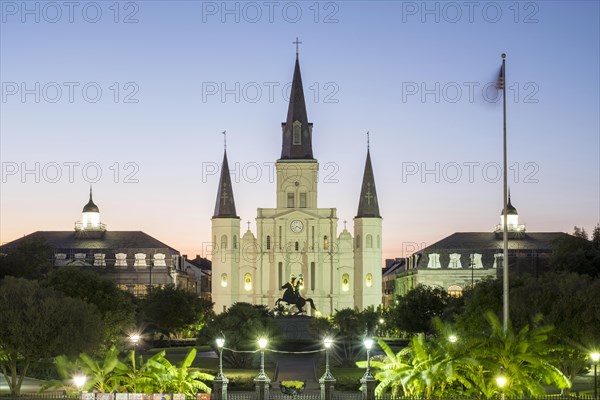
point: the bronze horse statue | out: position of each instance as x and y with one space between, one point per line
291 296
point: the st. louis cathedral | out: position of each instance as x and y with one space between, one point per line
297 237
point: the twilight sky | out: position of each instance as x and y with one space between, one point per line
139 92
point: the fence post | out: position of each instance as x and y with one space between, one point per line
219 388
327 386
262 388
368 387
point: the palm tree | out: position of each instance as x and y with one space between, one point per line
524 356
184 380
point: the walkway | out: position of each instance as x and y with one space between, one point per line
301 367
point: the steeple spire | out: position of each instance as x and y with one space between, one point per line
225 204
368 206
297 131
90 206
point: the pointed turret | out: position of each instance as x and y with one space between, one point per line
90 206
297 131
368 206
225 204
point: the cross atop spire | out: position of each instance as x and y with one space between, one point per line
248 225
224 133
297 42
368 141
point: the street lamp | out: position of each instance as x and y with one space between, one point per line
595 356
79 381
327 342
134 338
501 382
220 344
368 342
262 343
452 338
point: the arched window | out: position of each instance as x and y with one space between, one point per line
325 243
358 241
247 282
280 272
224 242
369 280
268 242
224 280
369 241
297 246
378 242
455 291
235 242
345 282
313 271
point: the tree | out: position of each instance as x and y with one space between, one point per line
525 356
115 305
38 322
29 259
575 253
242 324
415 310
175 312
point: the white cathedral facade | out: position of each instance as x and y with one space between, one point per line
297 237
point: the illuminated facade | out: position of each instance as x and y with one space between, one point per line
297 237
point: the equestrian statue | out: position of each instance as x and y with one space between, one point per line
292 296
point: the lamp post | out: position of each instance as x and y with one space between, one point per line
368 381
220 382
595 356
501 382
452 338
79 381
327 381
261 382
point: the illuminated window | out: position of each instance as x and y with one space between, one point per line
369 241
455 291
454 261
224 280
140 260
358 241
248 281
297 137
290 200
224 242
120 260
345 282
325 243
268 242
369 280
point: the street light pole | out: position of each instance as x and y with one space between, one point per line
262 380
327 381
368 381
595 358
220 382
501 382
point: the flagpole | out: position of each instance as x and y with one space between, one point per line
505 256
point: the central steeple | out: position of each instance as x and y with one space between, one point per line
296 130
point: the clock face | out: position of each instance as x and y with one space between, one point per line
296 226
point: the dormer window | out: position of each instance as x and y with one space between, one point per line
297 133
